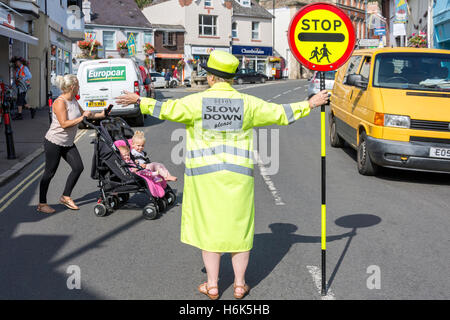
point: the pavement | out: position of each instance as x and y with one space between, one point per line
28 135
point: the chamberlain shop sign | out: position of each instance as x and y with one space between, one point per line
251 51
107 74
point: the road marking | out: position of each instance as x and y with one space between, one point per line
278 95
317 278
298 88
286 92
20 184
36 173
267 180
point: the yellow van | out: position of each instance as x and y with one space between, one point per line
393 106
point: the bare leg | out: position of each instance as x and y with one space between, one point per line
212 264
240 263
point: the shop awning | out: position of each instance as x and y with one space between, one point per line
169 55
10 33
274 59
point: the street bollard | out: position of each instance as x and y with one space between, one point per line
50 105
8 129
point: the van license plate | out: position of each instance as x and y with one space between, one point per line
440 153
92 104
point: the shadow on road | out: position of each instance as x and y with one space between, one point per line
354 222
28 268
268 251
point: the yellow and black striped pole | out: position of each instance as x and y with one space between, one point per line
324 206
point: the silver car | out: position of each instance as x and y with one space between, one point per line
314 82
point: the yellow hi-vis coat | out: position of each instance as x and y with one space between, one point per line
218 197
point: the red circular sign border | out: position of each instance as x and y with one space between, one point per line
342 15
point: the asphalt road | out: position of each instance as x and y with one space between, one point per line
387 236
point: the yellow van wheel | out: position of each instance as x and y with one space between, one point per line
365 165
335 140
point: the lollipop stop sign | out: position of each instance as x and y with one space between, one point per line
322 38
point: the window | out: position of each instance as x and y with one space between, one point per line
234 32
208 3
245 3
255 30
136 39
353 65
148 37
108 40
365 69
207 25
169 39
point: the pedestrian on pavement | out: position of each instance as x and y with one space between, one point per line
167 77
218 196
59 141
175 73
22 79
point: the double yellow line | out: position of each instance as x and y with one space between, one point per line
5 201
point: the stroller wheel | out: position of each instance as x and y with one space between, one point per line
150 211
100 210
170 198
162 204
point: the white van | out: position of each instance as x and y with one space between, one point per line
102 81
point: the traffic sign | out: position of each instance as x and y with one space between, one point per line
321 37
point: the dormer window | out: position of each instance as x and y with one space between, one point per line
245 3
208 3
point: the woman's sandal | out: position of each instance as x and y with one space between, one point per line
204 285
45 208
246 289
69 203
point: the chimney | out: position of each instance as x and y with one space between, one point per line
87 11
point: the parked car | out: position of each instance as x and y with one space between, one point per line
158 80
102 81
246 75
314 82
391 105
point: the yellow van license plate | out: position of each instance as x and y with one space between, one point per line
440 153
96 104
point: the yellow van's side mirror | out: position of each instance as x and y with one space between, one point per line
357 80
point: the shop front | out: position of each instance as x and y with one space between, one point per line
167 61
254 58
60 57
14 41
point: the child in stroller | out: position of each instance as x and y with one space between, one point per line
137 150
116 180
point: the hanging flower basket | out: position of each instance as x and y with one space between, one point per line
122 45
89 48
148 48
417 41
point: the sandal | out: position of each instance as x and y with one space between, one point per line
69 203
246 289
204 285
45 208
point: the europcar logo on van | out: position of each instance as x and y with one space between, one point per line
106 74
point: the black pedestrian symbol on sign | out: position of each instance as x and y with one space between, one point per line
314 54
324 52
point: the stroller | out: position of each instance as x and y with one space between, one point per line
115 180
